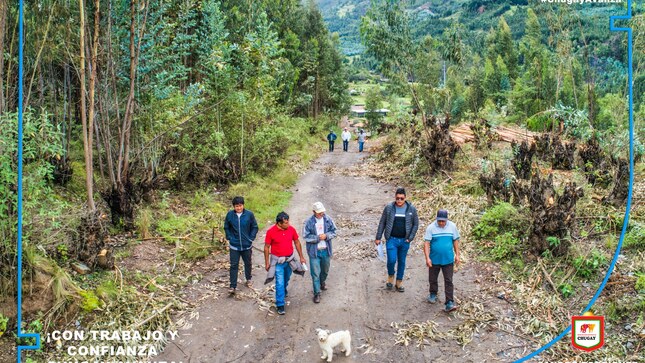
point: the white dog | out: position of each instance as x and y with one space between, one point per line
329 340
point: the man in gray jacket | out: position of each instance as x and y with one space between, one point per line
400 223
319 230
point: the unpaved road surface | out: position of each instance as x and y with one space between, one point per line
222 328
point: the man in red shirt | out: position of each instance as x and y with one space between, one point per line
278 244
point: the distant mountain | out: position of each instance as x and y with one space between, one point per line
478 16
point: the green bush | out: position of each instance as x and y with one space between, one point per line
505 245
501 218
566 290
589 266
90 301
3 324
635 237
640 287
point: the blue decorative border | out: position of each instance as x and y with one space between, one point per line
19 239
532 355
631 178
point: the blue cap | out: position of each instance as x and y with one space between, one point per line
442 215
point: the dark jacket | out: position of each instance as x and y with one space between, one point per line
311 237
331 136
240 232
387 221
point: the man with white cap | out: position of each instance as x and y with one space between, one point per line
346 136
318 232
441 251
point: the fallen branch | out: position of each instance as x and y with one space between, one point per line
157 312
547 276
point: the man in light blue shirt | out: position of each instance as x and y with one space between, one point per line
442 252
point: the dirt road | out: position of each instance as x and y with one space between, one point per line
234 329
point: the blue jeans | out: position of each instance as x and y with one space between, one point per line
360 146
397 251
282 276
345 145
319 269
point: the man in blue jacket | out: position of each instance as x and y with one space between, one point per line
331 137
318 232
241 228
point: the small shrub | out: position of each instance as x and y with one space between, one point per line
499 219
635 238
505 246
144 222
3 324
566 290
90 301
640 287
107 291
554 242
588 266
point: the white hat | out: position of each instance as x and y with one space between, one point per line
319 207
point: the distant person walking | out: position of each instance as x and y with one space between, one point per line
319 230
399 222
241 228
346 136
441 250
362 136
331 137
279 244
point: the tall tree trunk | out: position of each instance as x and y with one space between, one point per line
3 21
40 51
87 131
124 142
93 70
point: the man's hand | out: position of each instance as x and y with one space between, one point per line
322 237
457 259
377 242
267 267
302 260
428 263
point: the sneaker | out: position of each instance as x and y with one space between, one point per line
280 310
432 298
231 290
450 306
323 286
317 298
249 284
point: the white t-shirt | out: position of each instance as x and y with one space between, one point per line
320 229
346 135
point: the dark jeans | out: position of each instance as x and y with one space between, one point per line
397 252
360 146
433 276
345 145
235 264
331 146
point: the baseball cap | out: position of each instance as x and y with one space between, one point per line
442 215
319 207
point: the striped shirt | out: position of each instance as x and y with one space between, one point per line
441 242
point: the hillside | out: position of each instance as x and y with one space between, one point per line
432 17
